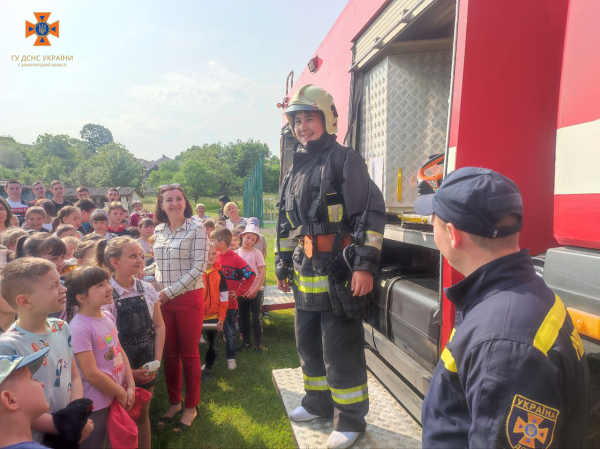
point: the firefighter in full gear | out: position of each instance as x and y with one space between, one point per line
329 237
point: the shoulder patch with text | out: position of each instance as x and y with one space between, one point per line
530 425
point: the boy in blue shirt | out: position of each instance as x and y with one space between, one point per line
32 287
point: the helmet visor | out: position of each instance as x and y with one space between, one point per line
301 107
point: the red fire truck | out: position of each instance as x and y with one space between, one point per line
510 85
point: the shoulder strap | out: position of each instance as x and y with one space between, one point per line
316 185
140 286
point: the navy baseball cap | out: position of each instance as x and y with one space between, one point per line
474 200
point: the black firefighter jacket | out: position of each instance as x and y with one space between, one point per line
327 187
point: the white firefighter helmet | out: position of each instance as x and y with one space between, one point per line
313 98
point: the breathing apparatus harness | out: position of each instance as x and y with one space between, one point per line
340 264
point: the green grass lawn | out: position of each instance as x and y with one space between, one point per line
238 408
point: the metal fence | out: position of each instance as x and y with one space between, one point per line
269 210
253 193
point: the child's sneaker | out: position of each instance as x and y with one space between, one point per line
231 364
258 349
202 340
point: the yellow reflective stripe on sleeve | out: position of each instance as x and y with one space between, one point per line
315 383
335 213
548 331
311 284
285 244
374 239
449 361
350 395
305 289
311 279
447 358
284 249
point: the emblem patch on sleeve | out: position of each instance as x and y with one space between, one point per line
530 425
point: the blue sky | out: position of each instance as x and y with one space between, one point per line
162 76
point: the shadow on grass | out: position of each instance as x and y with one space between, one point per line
239 408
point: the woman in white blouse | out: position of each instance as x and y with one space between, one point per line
180 251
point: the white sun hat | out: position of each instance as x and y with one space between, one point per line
251 227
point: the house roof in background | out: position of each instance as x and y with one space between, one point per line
149 165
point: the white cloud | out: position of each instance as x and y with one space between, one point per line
184 109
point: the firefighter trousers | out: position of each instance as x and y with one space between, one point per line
332 355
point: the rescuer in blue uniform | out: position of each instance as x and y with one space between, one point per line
513 373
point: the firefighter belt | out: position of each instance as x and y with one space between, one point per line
322 243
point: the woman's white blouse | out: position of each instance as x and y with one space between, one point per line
180 257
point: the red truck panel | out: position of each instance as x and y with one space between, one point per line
505 103
577 188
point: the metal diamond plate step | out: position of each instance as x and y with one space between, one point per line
276 299
404 119
388 424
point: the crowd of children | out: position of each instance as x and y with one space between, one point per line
82 333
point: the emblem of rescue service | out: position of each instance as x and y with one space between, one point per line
530 425
42 29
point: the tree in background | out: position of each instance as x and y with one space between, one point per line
165 174
11 154
112 165
97 161
271 174
96 136
213 169
216 160
197 178
244 155
51 157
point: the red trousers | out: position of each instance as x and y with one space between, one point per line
183 318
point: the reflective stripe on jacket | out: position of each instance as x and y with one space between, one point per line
315 190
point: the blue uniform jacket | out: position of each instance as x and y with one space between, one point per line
513 373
